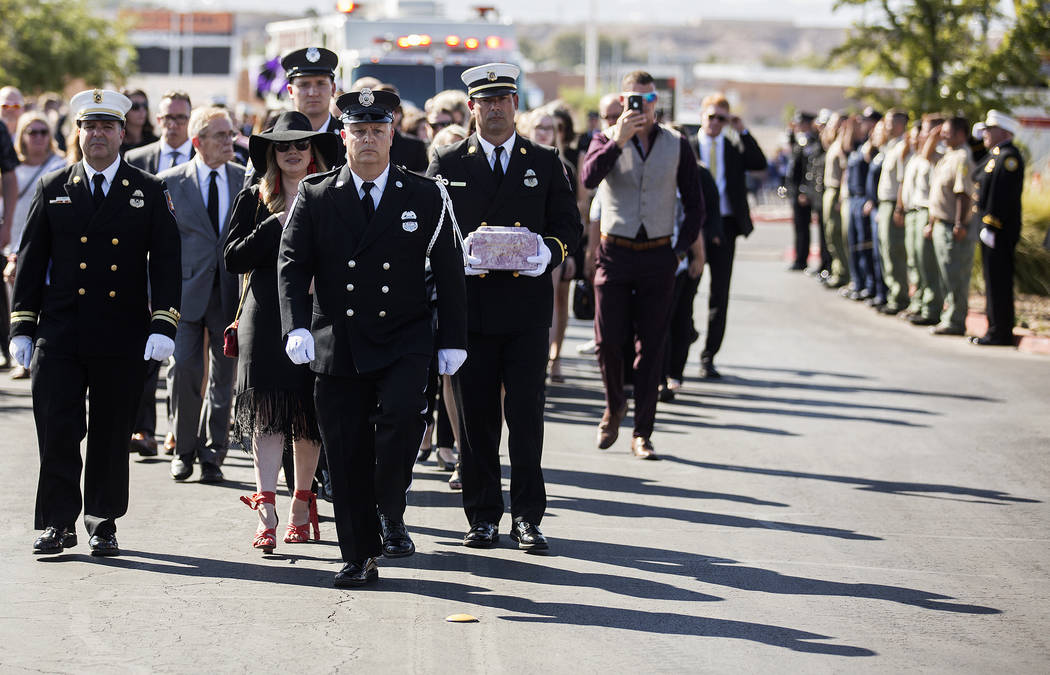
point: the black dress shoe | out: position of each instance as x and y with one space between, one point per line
528 536
211 473
989 341
920 320
357 573
482 535
665 395
181 469
396 542
143 444
104 545
708 371
54 539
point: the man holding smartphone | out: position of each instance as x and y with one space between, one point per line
638 166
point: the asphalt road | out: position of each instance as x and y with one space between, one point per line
855 495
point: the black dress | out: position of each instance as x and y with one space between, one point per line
273 395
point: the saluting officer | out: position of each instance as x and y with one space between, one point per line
363 234
498 178
999 204
100 247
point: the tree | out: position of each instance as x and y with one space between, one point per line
567 49
47 43
951 55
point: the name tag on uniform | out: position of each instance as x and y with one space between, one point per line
61 200
458 183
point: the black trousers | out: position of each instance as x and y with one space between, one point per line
825 254
515 364
998 267
681 333
371 425
61 385
803 215
146 414
720 262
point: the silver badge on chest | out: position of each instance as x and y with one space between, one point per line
408 221
530 178
136 199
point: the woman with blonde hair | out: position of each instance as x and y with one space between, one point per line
274 397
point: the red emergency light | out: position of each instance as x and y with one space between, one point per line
413 41
452 40
493 42
345 6
471 43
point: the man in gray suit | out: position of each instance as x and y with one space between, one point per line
203 190
174 147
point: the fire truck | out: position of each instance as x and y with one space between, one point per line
405 44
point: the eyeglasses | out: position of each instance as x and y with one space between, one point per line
175 119
439 125
285 147
231 135
38 132
7 106
135 105
718 118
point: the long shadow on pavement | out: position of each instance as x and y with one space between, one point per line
844 389
869 484
641 486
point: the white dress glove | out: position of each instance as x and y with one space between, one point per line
471 269
988 237
300 346
158 347
449 360
21 349
541 259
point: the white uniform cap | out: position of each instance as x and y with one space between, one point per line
1003 121
491 79
99 104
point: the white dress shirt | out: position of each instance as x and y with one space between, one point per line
109 173
165 154
716 145
204 182
490 151
377 191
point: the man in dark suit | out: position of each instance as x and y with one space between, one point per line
405 151
174 146
203 190
999 205
100 244
729 153
172 149
498 178
311 85
363 234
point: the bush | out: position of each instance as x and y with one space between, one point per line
1032 261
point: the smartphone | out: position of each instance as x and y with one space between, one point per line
634 102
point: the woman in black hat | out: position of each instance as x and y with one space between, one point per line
274 397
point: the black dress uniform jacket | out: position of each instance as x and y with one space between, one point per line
1001 184
370 299
408 152
81 286
535 194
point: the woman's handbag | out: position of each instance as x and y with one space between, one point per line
229 336
583 300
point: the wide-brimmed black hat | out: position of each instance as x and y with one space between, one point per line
293 126
310 61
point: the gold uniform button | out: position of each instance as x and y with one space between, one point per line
81 291
349 312
382 313
351 263
516 224
385 289
115 241
83 265
112 294
483 223
481 276
113 268
516 274
349 287
386 266
83 240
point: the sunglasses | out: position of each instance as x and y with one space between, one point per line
718 118
285 147
439 125
135 105
8 106
38 132
647 97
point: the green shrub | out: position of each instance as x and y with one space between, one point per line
1032 261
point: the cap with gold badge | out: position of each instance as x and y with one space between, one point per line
99 104
491 79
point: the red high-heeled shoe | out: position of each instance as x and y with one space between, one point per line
265 538
300 534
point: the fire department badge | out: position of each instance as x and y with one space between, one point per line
312 55
366 97
98 96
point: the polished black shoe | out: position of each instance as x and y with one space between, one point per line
528 536
708 371
482 535
357 574
396 542
144 444
665 394
54 539
989 341
211 473
181 469
920 320
104 545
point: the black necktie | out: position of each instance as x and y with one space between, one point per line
497 166
97 192
366 200
174 158
213 202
